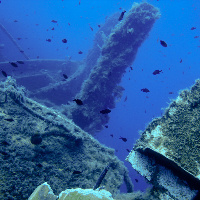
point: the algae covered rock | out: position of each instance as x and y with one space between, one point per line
167 153
39 144
102 89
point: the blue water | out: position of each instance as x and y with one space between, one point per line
74 22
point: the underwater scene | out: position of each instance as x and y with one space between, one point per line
99 99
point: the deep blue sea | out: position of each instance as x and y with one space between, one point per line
30 23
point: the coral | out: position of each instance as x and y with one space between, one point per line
87 194
43 192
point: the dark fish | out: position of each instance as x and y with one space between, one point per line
65 76
128 150
80 52
99 25
136 180
101 177
124 139
20 62
193 28
52 29
196 36
91 28
131 68
39 165
105 111
54 21
64 40
76 172
19 38
4 153
171 93
13 64
78 102
4 73
156 72
36 139
163 43
5 143
111 135
125 99
48 40
122 15
15 21
181 60
145 90
106 126
9 119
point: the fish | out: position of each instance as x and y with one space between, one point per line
105 111
15 20
193 28
171 93
48 40
181 60
9 119
156 72
64 40
80 52
121 16
145 90
136 180
128 150
76 172
52 29
123 139
5 143
196 36
4 73
65 76
78 102
39 165
91 28
163 43
106 126
111 135
13 64
19 38
131 68
54 21
99 25
20 62
125 99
